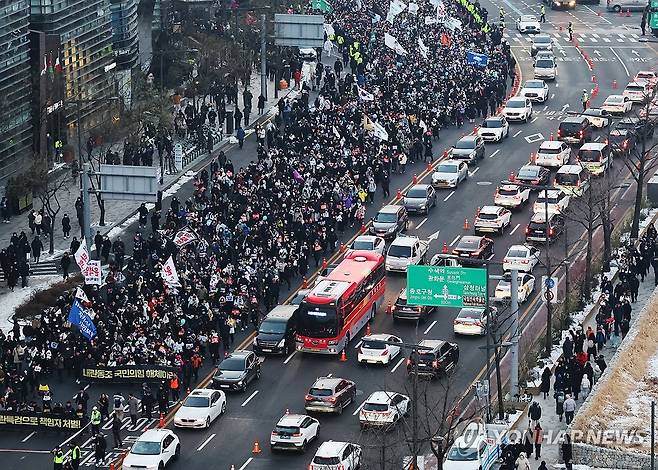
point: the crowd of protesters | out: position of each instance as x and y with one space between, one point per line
261 226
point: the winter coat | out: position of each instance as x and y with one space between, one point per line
133 406
545 386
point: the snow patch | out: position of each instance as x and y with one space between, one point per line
12 300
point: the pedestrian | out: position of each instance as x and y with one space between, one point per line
75 454
174 386
66 226
569 409
163 399
585 386
522 463
4 209
100 446
95 420
261 104
643 22
65 264
104 406
117 405
538 439
534 413
567 453
147 401
37 248
584 99
240 134
542 465
570 30
58 458
116 431
133 407
542 12
545 386
559 403
528 438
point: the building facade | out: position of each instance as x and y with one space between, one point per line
125 34
15 88
85 57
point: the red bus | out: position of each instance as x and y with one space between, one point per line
336 309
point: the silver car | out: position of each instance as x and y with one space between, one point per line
420 198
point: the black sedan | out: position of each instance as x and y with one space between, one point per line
533 175
236 371
474 247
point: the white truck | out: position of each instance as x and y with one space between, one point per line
404 251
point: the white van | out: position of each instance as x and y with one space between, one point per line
553 153
572 180
595 156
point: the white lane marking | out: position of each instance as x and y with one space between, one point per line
29 436
358 345
289 357
244 465
493 155
517 134
329 375
552 95
430 327
205 443
605 39
397 365
448 196
546 107
244 403
471 173
534 119
356 412
597 138
455 240
421 223
621 61
514 229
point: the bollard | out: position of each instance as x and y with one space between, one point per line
414 179
444 250
324 263
593 78
304 283
342 247
363 228
398 194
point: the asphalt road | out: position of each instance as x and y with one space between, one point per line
284 381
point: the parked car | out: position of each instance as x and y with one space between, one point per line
376 349
154 449
525 287
511 196
474 247
383 409
617 105
333 455
472 321
201 407
535 90
518 109
523 258
597 117
492 219
533 175
369 243
528 24
553 153
404 251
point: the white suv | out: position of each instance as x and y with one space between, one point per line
294 432
153 450
383 409
553 153
334 454
518 109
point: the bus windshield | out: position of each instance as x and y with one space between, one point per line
318 321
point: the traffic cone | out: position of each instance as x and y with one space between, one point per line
429 166
414 179
628 13
466 225
111 465
445 154
475 129
614 84
304 283
363 228
161 423
598 13
232 467
324 263
444 250
389 310
593 78
123 455
511 176
343 356
368 329
256 449
287 411
342 247
398 194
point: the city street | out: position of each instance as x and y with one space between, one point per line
617 54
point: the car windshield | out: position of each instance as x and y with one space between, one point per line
544 64
272 327
373 344
527 19
196 402
320 392
516 104
386 217
517 253
537 226
299 297
566 179
459 454
589 156
326 460
465 144
446 169
570 127
362 245
532 84
470 313
549 151
469 244
375 407
493 123
232 364
287 430
399 251
487 216
593 112
145 448
627 124
525 173
508 192
418 193
614 99
637 88
317 321
542 39
542 199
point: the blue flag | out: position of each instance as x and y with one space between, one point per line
79 317
473 58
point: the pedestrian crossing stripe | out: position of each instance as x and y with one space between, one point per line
580 37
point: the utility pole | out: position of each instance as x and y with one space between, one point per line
263 57
549 306
488 335
86 205
653 434
414 413
514 297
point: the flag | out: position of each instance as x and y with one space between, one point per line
82 255
376 18
440 8
51 71
80 294
79 316
93 273
322 5
185 236
452 24
422 125
336 133
379 131
364 95
169 274
422 48
58 66
413 8
395 8
329 29
45 66
367 123
430 20
393 43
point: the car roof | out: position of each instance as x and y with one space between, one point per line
642 83
593 146
202 392
517 98
510 187
464 311
574 119
550 144
518 247
541 36
551 193
432 343
540 217
390 209
291 420
366 238
381 397
528 18
376 337
470 238
405 240
419 186
281 312
617 97
451 162
326 382
570 169
531 167
468 138
240 354
330 449
490 209
534 80
154 435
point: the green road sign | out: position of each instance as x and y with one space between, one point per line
446 286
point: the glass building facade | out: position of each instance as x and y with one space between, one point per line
125 33
15 88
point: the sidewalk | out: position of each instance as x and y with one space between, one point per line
552 427
118 213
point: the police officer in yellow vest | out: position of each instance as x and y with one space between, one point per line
585 99
340 40
58 459
75 455
95 421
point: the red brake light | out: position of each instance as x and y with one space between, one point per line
551 232
384 353
331 399
436 364
578 184
409 361
527 229
297 434
308 397
274 433
559 132
581 133
625 143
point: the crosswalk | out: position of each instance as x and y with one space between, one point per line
515 38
